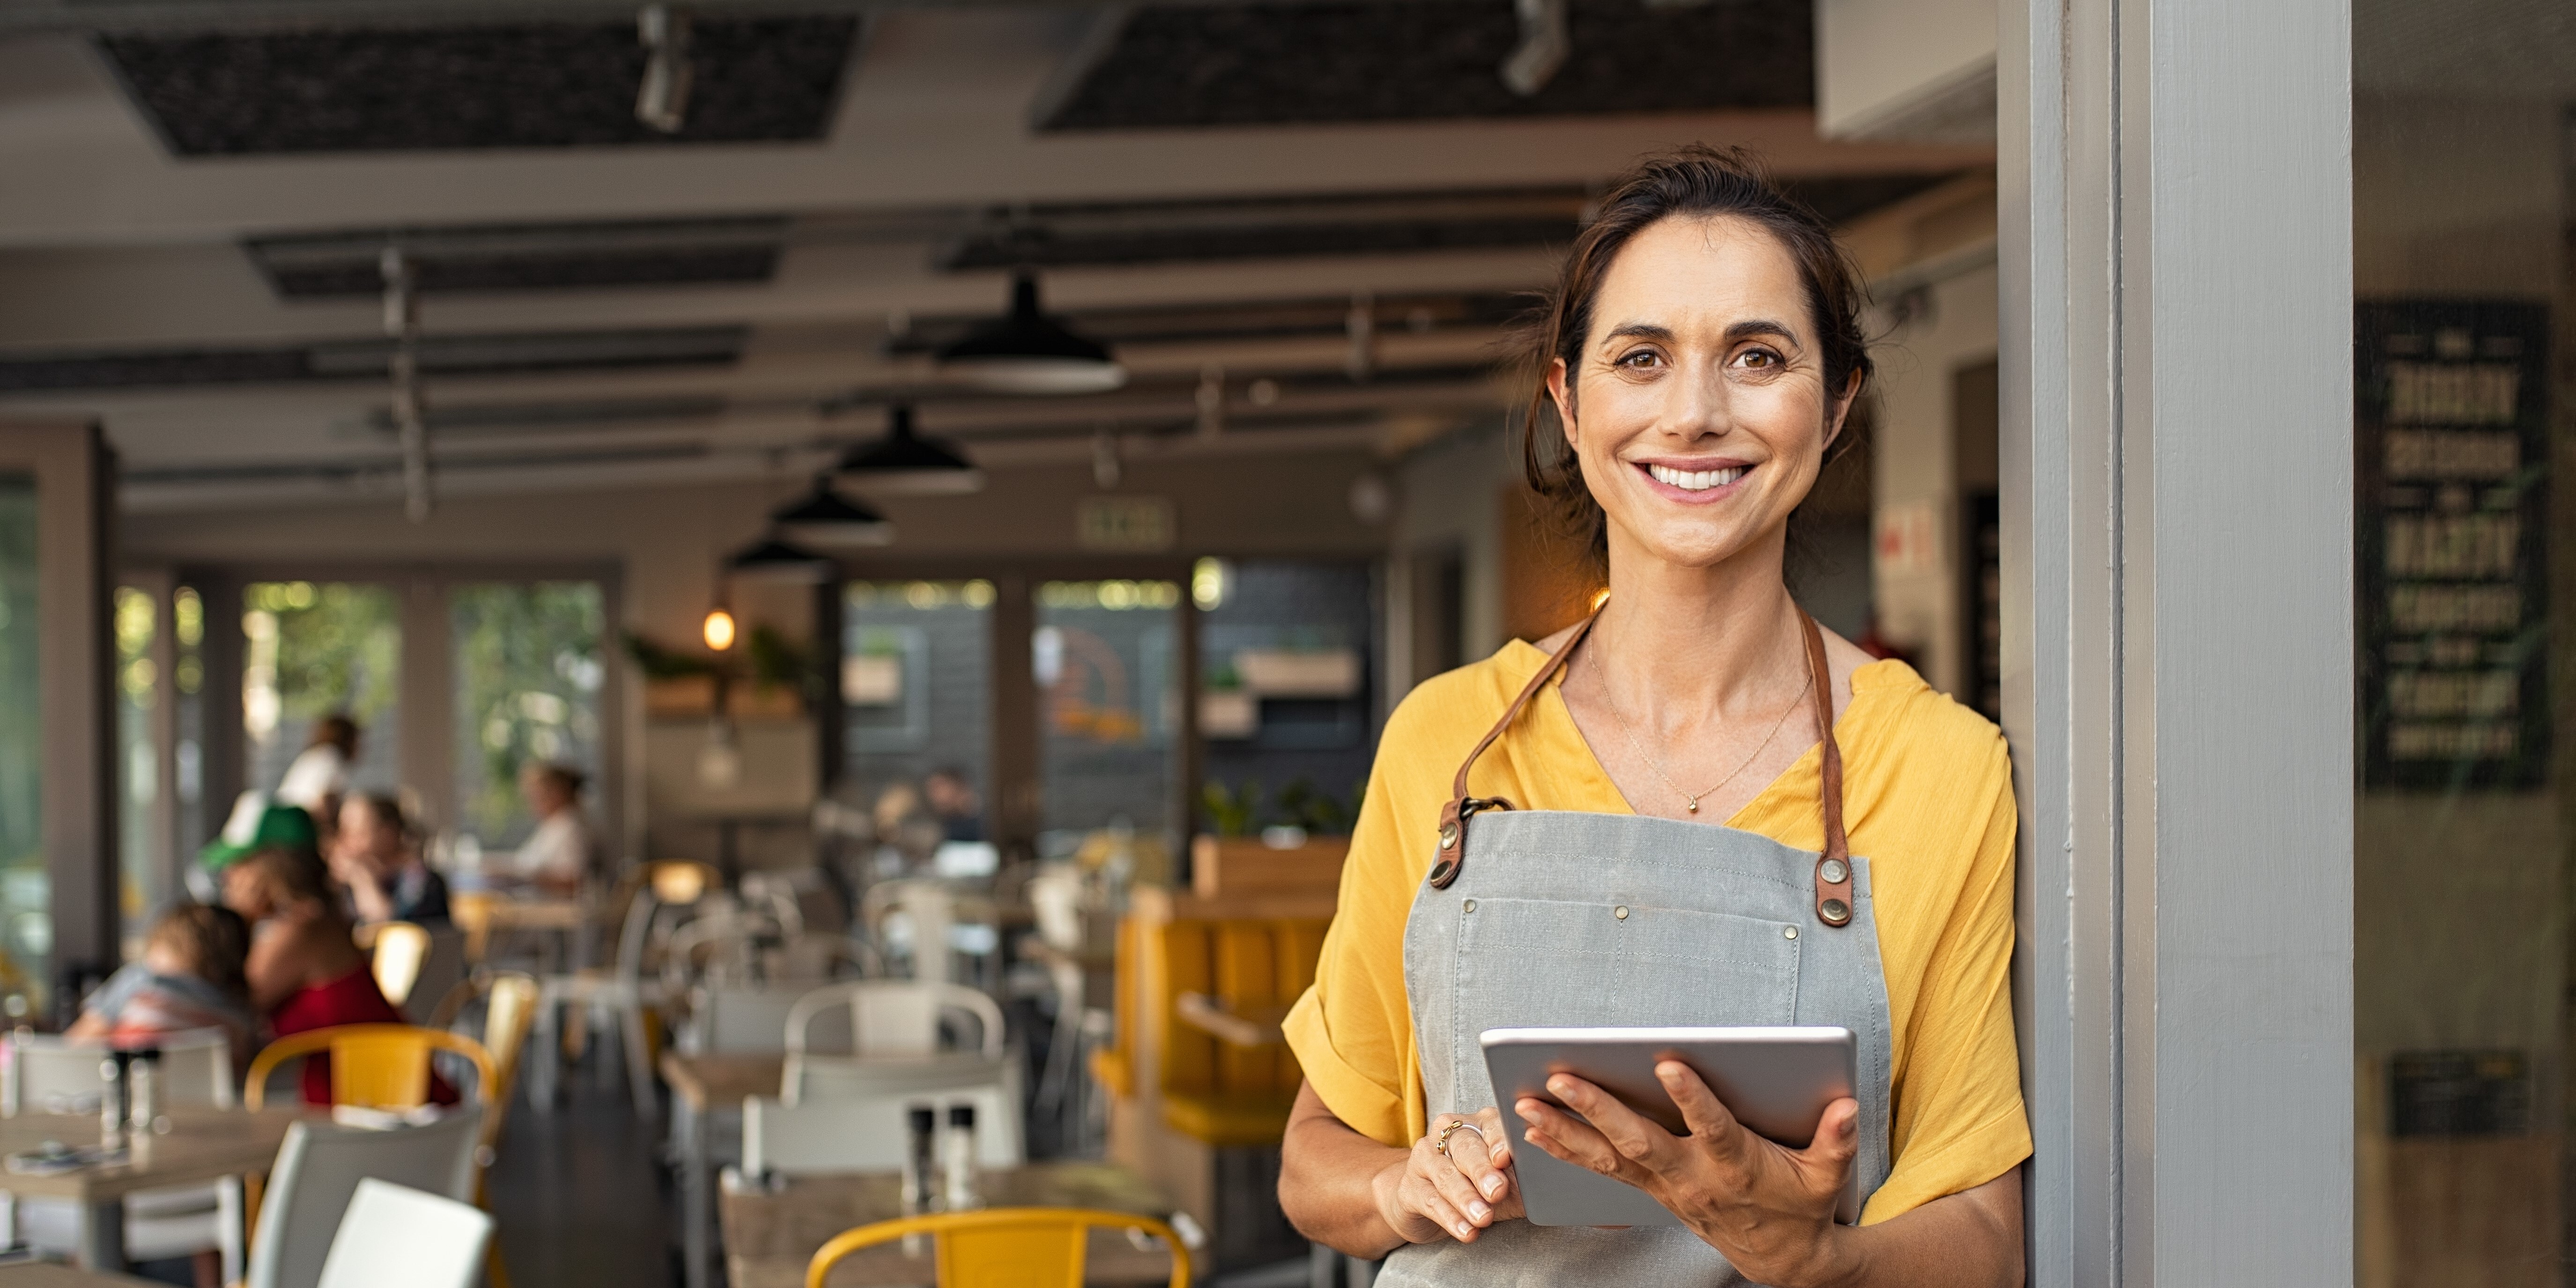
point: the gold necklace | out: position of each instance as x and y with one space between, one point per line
1690 799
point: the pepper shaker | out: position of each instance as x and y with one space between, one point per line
958 1159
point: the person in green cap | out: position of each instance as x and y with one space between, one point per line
257 823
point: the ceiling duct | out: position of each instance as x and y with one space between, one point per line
525 257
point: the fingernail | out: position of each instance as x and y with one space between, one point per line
1466 1231
1493 1187
1478 1210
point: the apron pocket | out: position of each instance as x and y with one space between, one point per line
1535 963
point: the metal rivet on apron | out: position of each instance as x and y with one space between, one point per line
1621 912
1788 932
1448 835
1835 871
1834 911
1471 905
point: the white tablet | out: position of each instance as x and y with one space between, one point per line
1776 1081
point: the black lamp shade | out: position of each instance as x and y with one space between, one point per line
903 461
1027 352
826 518
770 559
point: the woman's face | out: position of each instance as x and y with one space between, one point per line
364 837
247 891
1699 409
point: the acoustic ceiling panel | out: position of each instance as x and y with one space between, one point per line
1278 64
760 80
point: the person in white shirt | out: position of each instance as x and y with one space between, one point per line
561 853
319 774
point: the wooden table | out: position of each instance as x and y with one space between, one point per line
704 1087
770 1235
203 1145
38 1274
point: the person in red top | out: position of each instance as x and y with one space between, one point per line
305 971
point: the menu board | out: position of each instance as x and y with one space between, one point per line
2452 536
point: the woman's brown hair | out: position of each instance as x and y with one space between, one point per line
1694 182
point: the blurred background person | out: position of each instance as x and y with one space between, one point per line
304 969
375 856
952 800
320 772
191 977
562 852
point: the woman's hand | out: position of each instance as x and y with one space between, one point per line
1769 1208
1431 1195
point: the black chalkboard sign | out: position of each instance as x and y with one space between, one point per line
2459 1093
2451 539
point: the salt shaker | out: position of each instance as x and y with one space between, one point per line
958 1159
145 1107
112 1099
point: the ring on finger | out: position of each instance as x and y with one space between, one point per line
1442 1145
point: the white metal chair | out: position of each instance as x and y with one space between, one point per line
866 1132
396 1237
930 918
735 1019
55 1075
661 895
318 1172
894 1017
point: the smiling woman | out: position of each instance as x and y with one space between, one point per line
1693 808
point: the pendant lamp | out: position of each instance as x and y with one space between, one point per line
903 461
770 559
1027 352
828 519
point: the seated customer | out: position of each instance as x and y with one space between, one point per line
304 970
375 857
560 854
190 978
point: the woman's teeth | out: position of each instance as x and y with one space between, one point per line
1696 480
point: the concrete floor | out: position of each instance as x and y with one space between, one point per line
581 1196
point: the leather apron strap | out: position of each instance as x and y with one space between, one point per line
1833 867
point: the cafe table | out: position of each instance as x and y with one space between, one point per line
772 1231
703 1089
202 1145
41 1274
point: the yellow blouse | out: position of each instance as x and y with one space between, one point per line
1927 793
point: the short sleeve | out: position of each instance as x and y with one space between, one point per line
1959 1117
1352 1031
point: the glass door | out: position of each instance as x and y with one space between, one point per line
1106 656
528 672
315 654
916 702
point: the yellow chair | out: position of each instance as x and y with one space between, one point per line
1031 1247
400 949
379 1066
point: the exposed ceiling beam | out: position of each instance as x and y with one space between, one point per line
180 16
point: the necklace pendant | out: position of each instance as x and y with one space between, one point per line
1694 804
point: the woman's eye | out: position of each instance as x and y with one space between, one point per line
1758 359
1641 358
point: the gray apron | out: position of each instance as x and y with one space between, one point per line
1722 927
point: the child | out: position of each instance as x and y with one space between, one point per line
190 978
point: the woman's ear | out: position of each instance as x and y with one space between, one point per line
1562 394
1841 409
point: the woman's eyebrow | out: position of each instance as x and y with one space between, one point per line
1740 331
1751 327
1639 331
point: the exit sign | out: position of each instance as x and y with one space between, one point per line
1129 523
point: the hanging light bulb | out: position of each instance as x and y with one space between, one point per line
719 629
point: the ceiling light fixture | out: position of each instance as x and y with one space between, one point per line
662 100
1027 352
902 461
827 518
770 559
